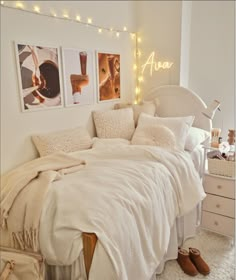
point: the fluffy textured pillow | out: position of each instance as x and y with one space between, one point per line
195 137
179 126
114 123
69 140
148 108
154 135
114 142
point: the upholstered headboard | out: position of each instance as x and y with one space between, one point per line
177 101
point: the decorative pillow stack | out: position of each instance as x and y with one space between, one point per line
148 108
159 130
114 123
69 140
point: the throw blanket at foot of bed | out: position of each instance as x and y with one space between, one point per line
129 197
22 193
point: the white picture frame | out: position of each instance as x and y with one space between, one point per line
79 82
39 76
108 76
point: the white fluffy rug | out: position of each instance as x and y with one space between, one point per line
217 250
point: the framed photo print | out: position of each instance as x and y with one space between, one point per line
108 76
39 77
78 68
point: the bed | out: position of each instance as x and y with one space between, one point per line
128 228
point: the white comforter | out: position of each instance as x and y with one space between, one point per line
130 198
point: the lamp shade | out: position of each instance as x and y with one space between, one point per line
209 112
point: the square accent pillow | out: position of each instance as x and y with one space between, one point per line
148 108
154 135
179 126
195 137
114 123
69 140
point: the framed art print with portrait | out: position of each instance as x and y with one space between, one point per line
108 76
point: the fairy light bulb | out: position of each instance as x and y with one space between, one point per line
117 34
99 30
139 40
89 21
78 18
66 16
37 9
2 2
140 78
135 67
54 14
125 28
19 5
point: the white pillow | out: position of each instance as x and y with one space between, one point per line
114 123
69 140
114 142
148 108
154 135
179 126
195 137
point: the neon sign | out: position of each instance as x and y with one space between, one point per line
155 65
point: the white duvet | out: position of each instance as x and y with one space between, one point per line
129 197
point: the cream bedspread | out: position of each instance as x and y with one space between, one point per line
130 198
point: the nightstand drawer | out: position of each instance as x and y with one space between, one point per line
219 186
217 223
219 205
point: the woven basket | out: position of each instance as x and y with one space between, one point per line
221 167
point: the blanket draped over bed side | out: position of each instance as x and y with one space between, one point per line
22 193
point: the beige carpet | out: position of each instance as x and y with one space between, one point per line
217 250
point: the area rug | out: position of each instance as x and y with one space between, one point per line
217 250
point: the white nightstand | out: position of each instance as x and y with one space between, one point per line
218 208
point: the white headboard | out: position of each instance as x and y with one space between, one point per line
177 101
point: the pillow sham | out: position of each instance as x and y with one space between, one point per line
114 123
154 135
195 137
69 140
114 142
148 108
179 126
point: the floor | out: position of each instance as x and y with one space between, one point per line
217 250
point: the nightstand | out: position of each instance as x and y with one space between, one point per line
218 208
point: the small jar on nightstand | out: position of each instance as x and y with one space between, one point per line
218 208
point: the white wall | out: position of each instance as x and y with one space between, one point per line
211 57
19 26
159 26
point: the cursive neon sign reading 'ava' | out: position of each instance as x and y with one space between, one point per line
154 65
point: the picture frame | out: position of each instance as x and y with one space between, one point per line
108 76
79 82
39 76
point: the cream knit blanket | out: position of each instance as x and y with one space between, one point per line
22 193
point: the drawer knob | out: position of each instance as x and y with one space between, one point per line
217 205
219 187
216 223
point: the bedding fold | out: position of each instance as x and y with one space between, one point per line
129 197
22 194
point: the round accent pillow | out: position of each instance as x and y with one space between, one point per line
155 135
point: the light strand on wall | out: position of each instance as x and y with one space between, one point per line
65 16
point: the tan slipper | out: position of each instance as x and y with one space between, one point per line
185 262
197 260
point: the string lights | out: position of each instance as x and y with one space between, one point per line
89 22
